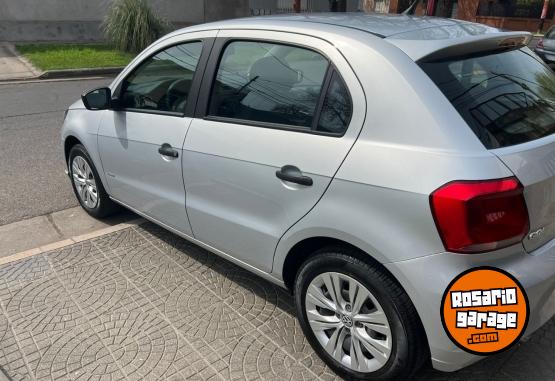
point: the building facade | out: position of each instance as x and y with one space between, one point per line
80 20
506 14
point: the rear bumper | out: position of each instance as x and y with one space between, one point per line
425 279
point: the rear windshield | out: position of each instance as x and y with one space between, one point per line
506 98
551 34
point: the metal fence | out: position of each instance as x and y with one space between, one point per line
268 7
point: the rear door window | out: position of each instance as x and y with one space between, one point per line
268 83
506 98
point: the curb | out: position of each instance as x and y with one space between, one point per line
32 69
68 242
69 73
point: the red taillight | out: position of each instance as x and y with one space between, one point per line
478 216
540 44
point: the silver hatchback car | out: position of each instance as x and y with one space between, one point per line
361 161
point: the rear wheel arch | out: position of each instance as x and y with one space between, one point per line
309 247
306 248
300 252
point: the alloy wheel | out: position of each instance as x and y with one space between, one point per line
84 181
348 322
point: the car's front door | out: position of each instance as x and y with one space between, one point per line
141 142
273 124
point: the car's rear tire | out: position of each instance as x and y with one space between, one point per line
393 348
87 185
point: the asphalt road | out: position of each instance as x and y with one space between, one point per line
32 179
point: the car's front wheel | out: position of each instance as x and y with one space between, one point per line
87 185
357 318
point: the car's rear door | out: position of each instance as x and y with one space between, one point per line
140 142
276 116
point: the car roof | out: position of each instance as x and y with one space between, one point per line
378 24
417 36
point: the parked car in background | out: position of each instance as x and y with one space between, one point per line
546 46
361 161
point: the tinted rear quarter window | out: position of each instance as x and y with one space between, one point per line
337 108
506 98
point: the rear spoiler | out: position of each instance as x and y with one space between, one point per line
434 50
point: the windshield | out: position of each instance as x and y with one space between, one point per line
506 98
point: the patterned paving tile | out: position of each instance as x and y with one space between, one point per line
146 346
19 273
286 332
144 304
78 255
252 297
42 306
11 359
77 354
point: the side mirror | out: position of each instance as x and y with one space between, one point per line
97 99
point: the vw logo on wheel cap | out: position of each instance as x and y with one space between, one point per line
347 321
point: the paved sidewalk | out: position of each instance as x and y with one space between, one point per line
49 231
12 66
144 304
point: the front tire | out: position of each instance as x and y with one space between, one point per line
357 318
87 185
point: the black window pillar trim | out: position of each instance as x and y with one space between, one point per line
208 44
209 76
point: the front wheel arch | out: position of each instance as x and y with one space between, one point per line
69 142
104 206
